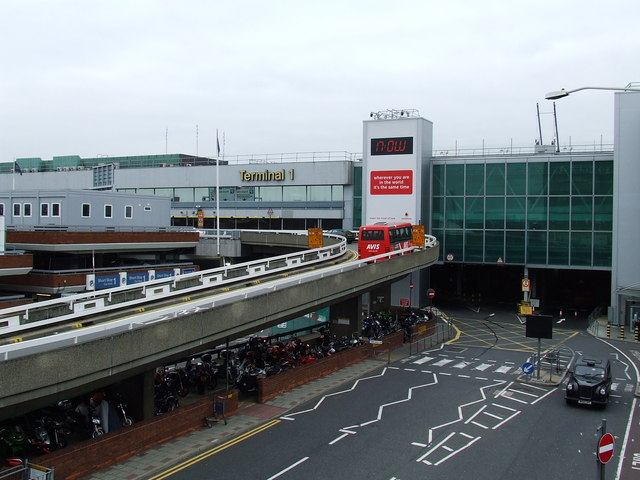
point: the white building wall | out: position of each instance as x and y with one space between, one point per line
625 275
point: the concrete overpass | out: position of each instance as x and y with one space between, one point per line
131 356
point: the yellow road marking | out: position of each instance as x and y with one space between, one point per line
213 451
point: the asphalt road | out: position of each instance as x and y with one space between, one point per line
456 411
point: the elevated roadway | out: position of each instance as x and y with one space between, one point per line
155 332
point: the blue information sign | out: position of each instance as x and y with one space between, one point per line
528 368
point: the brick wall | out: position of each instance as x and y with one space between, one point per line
269 387
83 458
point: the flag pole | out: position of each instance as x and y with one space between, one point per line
218 194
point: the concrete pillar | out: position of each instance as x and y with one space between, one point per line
345 317
147 394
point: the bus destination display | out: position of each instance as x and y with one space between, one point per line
392 146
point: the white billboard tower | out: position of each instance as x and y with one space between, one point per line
397 146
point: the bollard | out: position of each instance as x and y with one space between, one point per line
608 330
621 332
635 334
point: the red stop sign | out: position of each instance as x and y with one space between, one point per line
605 448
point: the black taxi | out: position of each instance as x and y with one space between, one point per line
589 381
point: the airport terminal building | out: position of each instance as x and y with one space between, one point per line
566 219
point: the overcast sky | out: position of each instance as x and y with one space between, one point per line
97 77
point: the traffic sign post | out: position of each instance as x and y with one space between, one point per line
431 294
528 368
605 447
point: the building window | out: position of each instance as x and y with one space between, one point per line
55 209
2 209
86 210
44 209
147 208
26 210
128 211
108 211
294 194
17 210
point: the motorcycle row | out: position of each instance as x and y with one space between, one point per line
241 367
51 428
380 324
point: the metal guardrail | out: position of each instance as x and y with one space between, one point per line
77 307
84 306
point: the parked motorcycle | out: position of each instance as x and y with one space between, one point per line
121 408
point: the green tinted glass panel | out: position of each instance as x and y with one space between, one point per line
514 247
495 179
438 180
357 182
582 178
537 178
559 213
493 246
559 248
494 213
474 212
537 213
455 179
581 248
559 178
475 180
453 241
437 215
603 178
602 249
603 213
537 247
357 211
516 210
581 213
516 179
454 212
473 246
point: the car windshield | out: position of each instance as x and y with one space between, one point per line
589 372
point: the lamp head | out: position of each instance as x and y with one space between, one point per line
556 95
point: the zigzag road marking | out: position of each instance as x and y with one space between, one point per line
350 430
290 416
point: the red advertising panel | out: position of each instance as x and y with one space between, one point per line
391 182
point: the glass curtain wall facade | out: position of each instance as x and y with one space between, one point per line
547 212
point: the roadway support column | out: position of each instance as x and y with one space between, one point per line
345 317
147 382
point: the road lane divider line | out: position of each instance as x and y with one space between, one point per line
290 467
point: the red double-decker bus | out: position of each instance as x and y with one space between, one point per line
383 238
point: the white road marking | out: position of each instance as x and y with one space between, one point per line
462 365
422 360
290 467
482 367
444 361
503 369
289 416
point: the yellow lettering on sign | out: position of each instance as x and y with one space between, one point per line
266 175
